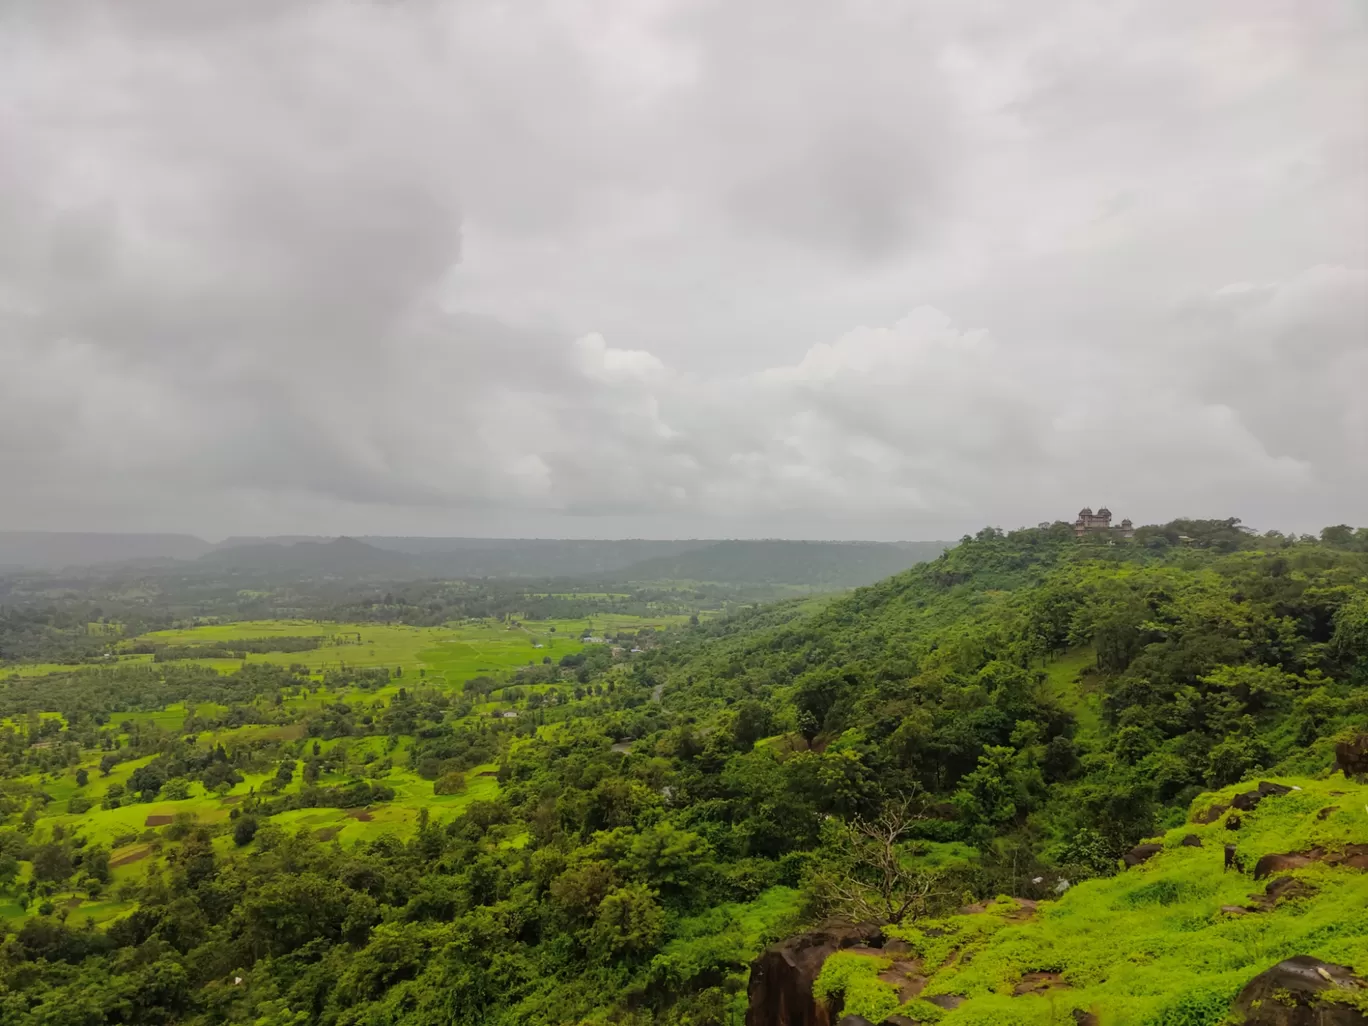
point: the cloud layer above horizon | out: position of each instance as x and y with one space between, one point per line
681 267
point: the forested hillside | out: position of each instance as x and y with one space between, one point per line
816 565
1018 712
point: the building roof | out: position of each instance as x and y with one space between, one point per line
1104 512
1086 511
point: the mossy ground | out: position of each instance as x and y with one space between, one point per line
1149 946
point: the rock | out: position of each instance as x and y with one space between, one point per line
947 1001
1039 983
1352 757
1192 841
1232 822
899 1020
1083 1017
1141 853
855 1020
781 978
1211 815
1327 812
1271 790
1289 995
1230 860
1352 856
1235 910
1270 864
1247 801
1286 888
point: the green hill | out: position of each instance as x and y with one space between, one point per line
1022 710
809 564
1171 941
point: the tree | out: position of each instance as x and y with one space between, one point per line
629 921
95 862
869 875
9 870
244 830
51 862
82 777
753 721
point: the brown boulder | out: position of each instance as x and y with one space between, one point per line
1289 994
781 978
1352 757
947 1001
1271 790
1246 801
1285 888
1141 853
1211 815
1039 982
855 1020
1232 822
1192 841
1352 856
1327 812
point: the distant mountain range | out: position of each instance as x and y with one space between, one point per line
804 563
53 550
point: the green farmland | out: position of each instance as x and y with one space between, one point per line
259 735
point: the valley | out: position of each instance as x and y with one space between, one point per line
1029 781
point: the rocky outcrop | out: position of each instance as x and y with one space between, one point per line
1192 841
1141 853
1351 856
1247 800
780 992
1211 815
1300 992
1352 757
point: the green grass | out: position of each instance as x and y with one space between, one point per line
1150 945
1066 681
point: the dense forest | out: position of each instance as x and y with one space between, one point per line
1022 710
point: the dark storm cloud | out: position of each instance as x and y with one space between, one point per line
679 267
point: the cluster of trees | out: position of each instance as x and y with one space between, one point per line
1026 705
239 648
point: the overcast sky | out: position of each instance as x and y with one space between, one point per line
681 267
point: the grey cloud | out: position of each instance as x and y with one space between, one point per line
603 268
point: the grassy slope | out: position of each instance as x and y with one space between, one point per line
1151 945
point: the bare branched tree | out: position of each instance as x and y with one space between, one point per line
871 879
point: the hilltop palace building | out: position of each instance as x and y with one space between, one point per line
1089 522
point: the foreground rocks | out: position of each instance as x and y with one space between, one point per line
1300 992
781 979
1352 856
1352 757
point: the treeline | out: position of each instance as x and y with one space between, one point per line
238 648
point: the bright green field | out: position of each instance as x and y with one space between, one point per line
454 653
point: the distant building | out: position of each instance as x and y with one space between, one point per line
1089 522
